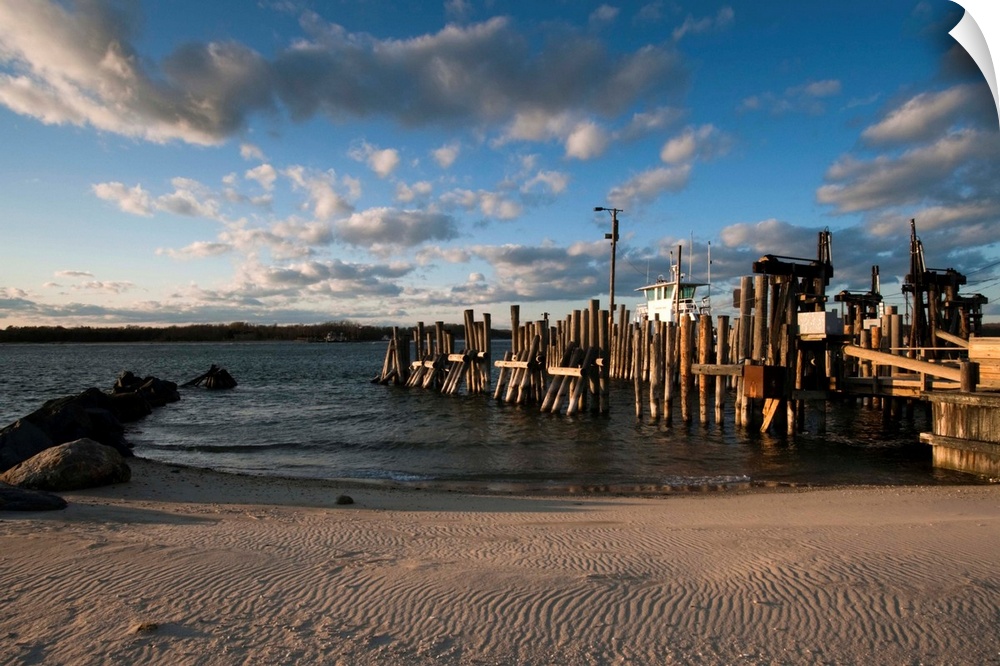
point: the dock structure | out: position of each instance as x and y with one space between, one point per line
782 358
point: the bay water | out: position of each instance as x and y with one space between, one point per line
311 411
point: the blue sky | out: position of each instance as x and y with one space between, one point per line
291 161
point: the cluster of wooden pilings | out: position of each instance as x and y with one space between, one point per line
694 366
780 354
439 367
558 364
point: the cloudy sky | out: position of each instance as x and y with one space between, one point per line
282 161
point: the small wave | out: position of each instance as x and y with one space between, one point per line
721 481
389 475
225 448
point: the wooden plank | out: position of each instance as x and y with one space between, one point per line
565 372
771 406
953 339
717 370
925 367
511 364
984 349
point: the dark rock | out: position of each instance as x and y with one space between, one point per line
130 406
87 415
157 392
83 463
344 499
13 498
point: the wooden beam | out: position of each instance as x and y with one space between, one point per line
557 371
925 367
953 339
511 364
717 370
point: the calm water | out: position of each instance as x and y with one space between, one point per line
309 410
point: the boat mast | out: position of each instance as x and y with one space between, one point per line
677 283
710 273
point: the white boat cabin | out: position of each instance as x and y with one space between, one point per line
669 300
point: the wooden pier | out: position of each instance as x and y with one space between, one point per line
783 357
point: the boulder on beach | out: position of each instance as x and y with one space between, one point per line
75 465
87 415
13 498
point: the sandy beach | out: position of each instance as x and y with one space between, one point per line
187 566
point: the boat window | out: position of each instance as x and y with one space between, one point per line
687 292
660 293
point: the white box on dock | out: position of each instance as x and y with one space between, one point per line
818 325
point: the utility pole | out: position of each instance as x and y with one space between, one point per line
613 237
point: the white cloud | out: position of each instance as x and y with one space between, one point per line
582 139
428 256
925 115
111 287
446 155
703 142
692 26
133 200
490 204
79 64
189 198
646 122
603 14
915 175
805 98
325 201
457 10
680 148
555 182
265 174
197 250
649 185
249 151
382 230
383 161
586 141
408 193
498 206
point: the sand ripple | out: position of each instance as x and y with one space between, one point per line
758 578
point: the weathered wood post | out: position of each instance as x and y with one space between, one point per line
704 358
686 378
669 369
759 350
637 370
488 348
722 357
606 355
655 368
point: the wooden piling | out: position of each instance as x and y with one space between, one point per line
722 359
686 378
655 378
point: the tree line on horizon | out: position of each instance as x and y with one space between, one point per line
339 331
239 331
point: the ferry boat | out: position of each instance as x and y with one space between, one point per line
672 299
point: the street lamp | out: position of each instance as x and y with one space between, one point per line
613 237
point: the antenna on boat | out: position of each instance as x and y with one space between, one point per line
710 271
